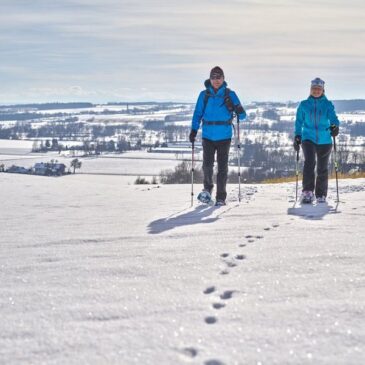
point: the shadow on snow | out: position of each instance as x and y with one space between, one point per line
314 212
199 215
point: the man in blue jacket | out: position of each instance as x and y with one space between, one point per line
214 109
316 122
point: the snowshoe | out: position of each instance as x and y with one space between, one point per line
205 197
220 203
321 199
307 197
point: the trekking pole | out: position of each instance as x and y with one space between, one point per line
297 175
192 174
238 158
336 166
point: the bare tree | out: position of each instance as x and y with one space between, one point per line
76 164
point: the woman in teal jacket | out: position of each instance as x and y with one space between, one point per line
316 122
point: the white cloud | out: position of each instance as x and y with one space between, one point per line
169 44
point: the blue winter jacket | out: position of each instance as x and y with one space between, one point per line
215 111
314 116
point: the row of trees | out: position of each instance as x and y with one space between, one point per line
72 129
79 130
282 161
182 175
87 146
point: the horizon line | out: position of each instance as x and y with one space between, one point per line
153 102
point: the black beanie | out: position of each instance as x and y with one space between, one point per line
216 72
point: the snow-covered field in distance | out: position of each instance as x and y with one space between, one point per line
97 272
130 163
127 169
14 147
355 117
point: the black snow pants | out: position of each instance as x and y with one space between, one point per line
320 154
222 149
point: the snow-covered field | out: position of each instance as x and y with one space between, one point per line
126 166
131 163
94 271
354 117
15 147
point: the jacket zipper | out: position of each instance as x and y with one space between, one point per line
315 119
319 119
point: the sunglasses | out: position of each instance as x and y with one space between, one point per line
216 77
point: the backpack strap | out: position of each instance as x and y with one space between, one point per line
206 97
227 101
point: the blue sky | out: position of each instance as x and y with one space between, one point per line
123 50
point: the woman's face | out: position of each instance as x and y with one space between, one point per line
316 91
217 82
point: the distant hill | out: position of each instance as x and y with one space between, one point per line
343 106
49 106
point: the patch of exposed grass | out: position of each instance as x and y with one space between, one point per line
279 180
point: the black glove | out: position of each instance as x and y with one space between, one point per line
192 135
239 109
334 130
297 142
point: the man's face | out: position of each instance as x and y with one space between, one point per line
217 82
316 91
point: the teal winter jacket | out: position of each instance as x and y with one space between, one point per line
215 117
314 116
